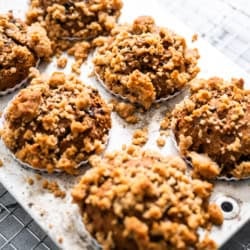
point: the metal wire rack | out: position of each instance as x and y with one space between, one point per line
225 24
17 229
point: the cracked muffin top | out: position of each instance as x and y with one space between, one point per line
145 63
55 124
212 128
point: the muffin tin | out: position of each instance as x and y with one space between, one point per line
59 217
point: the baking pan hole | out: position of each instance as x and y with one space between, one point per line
227 206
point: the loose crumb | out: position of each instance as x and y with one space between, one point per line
140 137
216 215
161 141
30 181
125 110
54 188
60 240
38 177
62 62
195 37
166 122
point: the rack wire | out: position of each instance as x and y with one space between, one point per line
223 23
17 229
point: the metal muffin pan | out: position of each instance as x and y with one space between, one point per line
59 217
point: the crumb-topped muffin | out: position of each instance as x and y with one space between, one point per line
212 128
20 48
56 124
136 199
66 20
145 63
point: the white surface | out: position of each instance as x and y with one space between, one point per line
59 217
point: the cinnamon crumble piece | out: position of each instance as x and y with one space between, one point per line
54 188
125 110
140 137
166 122
212 128
56 124
144 63
146 198
30 181
62 62
195 37
161 141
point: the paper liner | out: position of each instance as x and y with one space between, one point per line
222 177
127 100
17 86
26 165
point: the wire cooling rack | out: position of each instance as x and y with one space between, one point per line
17 229
223 23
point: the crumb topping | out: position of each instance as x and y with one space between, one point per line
144 63
20 48
214 122
161 141
138 199
56 124
68 22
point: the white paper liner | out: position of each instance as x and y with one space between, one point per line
26 165
164 99
17 86
222 177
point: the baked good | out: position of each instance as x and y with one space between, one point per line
134 199
144 63
55 124
20 48
212 128
67 21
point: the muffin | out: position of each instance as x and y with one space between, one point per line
144 63
136 199
20 48
66 21
55 124
212 128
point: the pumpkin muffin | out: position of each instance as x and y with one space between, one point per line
212 128
144 63
136 199
56 124
20 48
69 21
